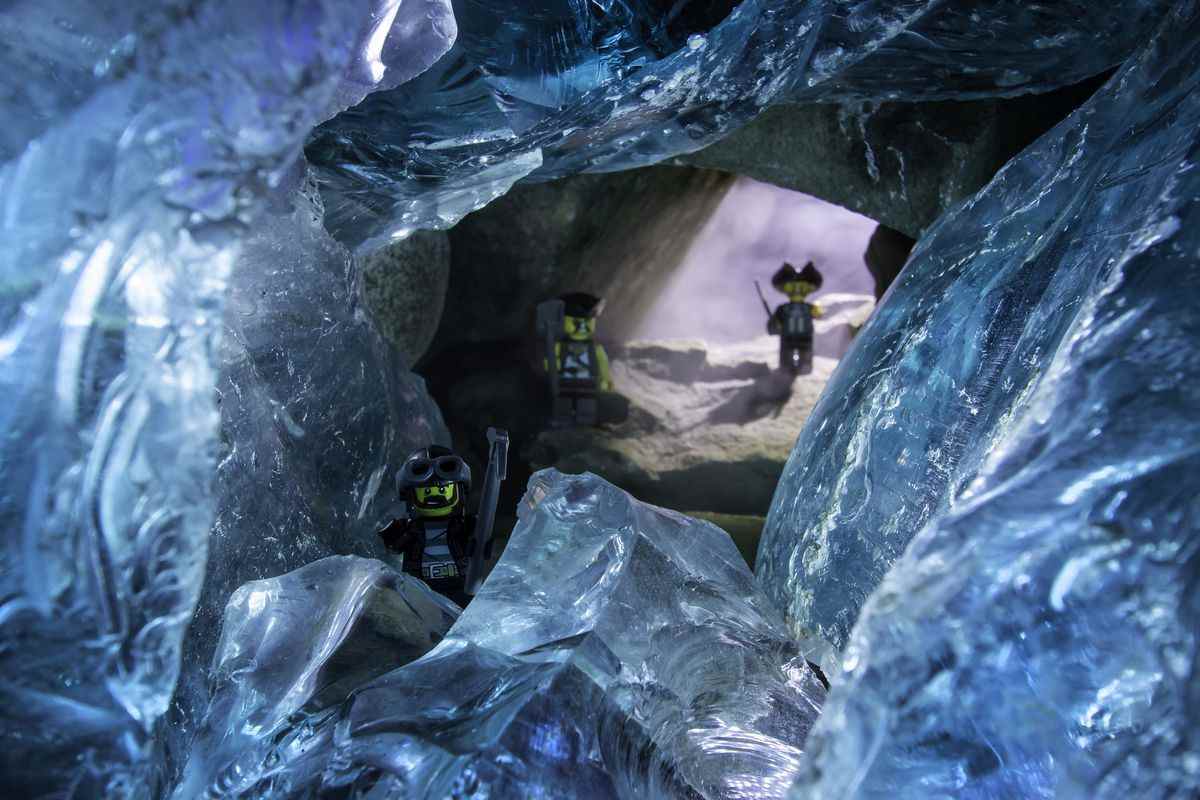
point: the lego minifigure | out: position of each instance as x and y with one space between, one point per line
581 370
792 321
442 544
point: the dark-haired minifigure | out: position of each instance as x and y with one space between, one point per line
437 537
792 321
579 371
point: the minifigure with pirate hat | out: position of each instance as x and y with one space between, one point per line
792 321
575 363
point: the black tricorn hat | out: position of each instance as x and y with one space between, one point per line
787 274
581 304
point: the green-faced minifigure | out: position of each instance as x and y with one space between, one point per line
580 370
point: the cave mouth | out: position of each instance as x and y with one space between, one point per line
676 252
711 297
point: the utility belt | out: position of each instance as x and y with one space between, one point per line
442 570
577 386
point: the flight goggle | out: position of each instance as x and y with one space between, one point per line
447 469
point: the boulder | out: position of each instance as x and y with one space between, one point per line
404 287
618 235
709 429
902 164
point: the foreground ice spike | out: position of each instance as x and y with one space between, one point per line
303 641
617 650
317 414
1039 636
919 402
538 89
144 139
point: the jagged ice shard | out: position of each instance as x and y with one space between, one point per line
301 643
145 145
150 138
1025 407
315 407
539 89
617 650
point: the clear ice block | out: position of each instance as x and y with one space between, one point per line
302 642
617 650
144 138
317 413
1026 409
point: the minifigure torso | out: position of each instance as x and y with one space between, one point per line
434 550
792 320
578 364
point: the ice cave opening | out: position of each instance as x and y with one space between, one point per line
675 252
257 253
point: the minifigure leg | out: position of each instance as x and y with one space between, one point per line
585 411
563 413
796 357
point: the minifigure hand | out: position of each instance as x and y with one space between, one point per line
817 311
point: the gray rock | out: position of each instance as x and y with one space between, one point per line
404 287
902 164
887 253
708 430
618 235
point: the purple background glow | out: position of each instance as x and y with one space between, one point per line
755 229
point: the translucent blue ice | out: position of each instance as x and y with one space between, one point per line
1023 413
146 142
143 140
303 641
536 89
317 411
617 650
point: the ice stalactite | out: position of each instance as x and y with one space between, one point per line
544 89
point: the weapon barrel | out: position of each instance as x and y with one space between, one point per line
766 305
496 469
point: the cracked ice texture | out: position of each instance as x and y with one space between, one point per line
538 89
617 650
1027 403
303 641
317 412
144 138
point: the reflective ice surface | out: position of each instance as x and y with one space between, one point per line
143 139
535 89
303 640
316 413
617 650
1027 403
144 142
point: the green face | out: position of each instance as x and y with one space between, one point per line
437 500
579 328
798 290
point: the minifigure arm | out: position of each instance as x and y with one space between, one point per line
557 358
773 326
602 368
396 535
817 311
